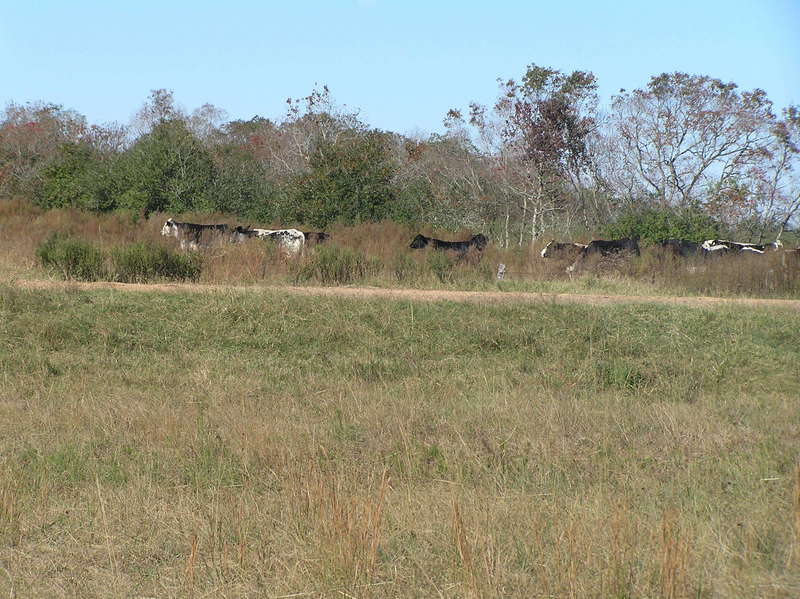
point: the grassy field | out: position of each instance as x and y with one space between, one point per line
257 445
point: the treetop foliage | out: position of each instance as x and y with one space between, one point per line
683 155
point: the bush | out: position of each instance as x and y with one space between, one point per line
651 225
332 265
349 181
442 265
142 262
404 267
72 258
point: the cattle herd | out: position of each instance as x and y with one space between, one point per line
192 236
678 248
292 241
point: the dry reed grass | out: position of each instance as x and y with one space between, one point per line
385 245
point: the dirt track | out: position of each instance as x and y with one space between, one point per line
427 295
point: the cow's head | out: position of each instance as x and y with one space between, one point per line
170 228
479 241
419 242
545 249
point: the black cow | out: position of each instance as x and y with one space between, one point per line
680 247
603 247
190 235
555 249
315 237
478 241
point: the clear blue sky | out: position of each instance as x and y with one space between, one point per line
404 63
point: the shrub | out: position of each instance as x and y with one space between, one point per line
349 181
404 267
651 225
332 265
142 262
72 258
442 265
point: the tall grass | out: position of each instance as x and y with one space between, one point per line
253 444
141 262
334 265
72 258
386 260
136 263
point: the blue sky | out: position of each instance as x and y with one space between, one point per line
402 63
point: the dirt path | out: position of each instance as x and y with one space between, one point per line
425 295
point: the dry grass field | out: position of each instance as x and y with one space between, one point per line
255 443
261 445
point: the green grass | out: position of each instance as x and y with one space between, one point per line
251 444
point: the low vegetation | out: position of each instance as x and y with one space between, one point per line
72 258
375 254
252 444
141 262
334 265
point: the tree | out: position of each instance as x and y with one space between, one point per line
350 181
687 140
776 180
535 136
30 137
77 177
166 169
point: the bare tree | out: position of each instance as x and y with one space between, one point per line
30 136
776 181
688 140
536 135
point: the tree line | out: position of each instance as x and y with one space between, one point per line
685 155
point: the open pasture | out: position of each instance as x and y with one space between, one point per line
259 445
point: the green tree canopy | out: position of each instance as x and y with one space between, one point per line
76 177
350 181
167 169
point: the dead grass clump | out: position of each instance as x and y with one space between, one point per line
345 528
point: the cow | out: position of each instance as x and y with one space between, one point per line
478 241
735 246
714 250
190 235
680 247
555 249
602 247
289 240
315 236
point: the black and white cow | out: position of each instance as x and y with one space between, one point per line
190 235
555 249
603 247
289 240
478 241
735 246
